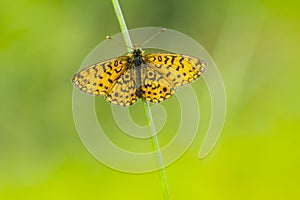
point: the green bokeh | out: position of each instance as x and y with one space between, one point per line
256 47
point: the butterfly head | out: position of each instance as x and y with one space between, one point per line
137 51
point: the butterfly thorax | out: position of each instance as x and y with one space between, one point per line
137 57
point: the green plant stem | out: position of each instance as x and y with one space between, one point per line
156 147
154 138
122 24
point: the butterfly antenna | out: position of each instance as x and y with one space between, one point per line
121 44
153 36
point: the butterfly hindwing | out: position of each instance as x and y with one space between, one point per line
123 92
155 87
100 77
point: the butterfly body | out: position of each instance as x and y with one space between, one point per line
124 79
137 63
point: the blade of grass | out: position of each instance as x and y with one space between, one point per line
154 138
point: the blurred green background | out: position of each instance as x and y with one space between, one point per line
256 47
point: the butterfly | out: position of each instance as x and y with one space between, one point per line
155 76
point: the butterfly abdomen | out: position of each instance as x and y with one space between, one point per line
137 63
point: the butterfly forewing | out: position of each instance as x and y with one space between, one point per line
177 68
101 77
